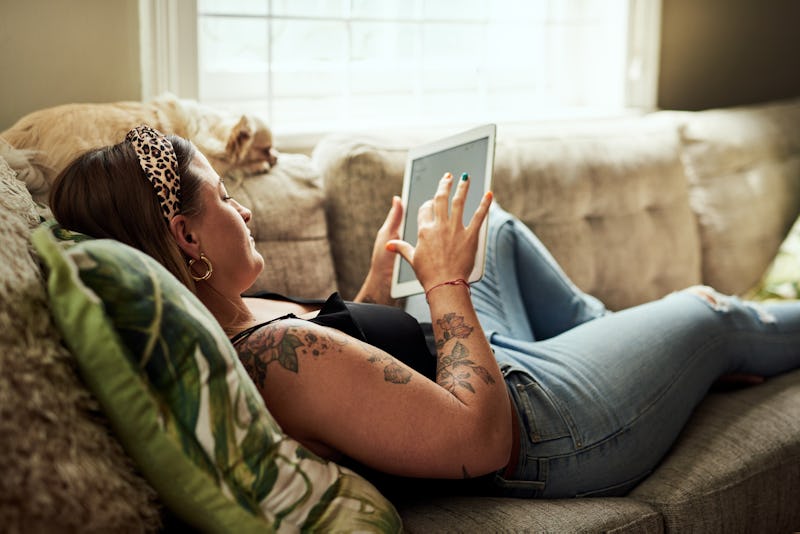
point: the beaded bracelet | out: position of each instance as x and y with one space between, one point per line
456 282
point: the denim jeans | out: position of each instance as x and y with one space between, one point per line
601 396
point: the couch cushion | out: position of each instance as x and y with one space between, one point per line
182 404
493 514
743 166
736 466
289 227
609 199
585 188
61 468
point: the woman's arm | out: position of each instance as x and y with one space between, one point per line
445 253
335 394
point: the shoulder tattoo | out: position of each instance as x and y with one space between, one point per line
282 343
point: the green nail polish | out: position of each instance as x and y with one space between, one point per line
464 177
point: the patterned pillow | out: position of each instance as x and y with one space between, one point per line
182 404
782 279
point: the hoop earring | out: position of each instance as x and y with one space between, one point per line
209 268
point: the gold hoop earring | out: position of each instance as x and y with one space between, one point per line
209 268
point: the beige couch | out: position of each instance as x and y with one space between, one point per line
632 208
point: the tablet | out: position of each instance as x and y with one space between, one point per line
470 152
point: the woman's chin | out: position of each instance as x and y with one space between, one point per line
260 265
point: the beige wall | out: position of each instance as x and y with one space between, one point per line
60 51
717 53
714 53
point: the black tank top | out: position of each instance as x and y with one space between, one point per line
390 329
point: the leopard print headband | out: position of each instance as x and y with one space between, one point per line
159 163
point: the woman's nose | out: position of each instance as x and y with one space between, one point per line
246 213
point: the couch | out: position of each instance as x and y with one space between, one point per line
633 208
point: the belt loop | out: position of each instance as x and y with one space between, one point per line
544 469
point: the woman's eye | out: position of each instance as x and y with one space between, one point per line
226 198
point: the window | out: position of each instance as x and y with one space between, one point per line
317 65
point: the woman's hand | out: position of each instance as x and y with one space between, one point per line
377 285
445 247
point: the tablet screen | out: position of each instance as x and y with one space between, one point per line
471 153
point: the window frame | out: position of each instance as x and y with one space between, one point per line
169 51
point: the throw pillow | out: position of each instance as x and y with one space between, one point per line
182 404
782 279
741 164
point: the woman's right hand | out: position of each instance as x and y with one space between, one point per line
378 282
445 248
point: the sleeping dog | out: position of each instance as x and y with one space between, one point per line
44 142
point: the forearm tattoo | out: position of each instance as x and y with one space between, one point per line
452 325
456 369
283 343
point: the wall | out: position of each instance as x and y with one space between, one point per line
717 53
60 51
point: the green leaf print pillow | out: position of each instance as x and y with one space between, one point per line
182 404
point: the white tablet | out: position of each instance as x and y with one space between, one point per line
470 152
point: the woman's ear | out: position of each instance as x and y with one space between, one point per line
181 230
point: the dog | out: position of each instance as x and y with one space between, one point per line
44 142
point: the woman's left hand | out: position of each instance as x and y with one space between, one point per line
377 285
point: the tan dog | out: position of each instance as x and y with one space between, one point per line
46 141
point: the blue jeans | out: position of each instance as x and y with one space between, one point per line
601 396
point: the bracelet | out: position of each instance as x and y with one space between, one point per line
456 282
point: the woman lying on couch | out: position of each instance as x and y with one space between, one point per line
520 376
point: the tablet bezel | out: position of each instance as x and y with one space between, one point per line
407 288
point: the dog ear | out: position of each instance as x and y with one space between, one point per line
240 139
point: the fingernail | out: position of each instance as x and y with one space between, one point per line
464 177
448 175
391 247
489 195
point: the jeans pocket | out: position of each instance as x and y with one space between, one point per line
544 419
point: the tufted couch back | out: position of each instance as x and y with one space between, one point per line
632 208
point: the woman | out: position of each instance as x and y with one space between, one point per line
533 383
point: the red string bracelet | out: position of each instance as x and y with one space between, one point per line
456 282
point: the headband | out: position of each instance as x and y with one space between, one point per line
160 165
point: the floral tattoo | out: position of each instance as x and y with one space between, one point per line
281 343
392 372
452 325
455 370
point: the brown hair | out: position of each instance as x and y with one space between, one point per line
105 194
